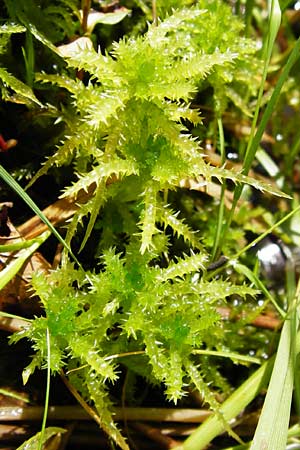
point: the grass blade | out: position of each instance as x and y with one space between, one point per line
42 434
13 267
213 426
255 140
20 191
272 428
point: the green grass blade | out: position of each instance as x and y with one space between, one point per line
293 57
272 428
234 356
20 191
244 270
14 316
218 233
15 395
267 232
16 263
274 24
16 246
213 426
254 143
42 434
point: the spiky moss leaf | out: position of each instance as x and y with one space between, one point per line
144 69
201 385
181 111
236 177
98 106
4 42
61 80
79 136
165 6
83 347
10 28
198 66
97 393
168 335
215 290
168 217
171 164
77 219
19 88
178 321
152 72
184 266
168 369
114 266
37 335
157 356
178 21
174 384
163 309
33 442
145 133
102 67
149 62
85 96
207 22
115 167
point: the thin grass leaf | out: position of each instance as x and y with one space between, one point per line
14 395
25 197
96 203
267 232
255 138
39 36
234 356
17 262
41 440
275 20
222 197
214 425
5 248
272 428
293 57
242 269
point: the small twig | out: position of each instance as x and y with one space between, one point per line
74 412
13 325
261 321
86 6
154 13
90 411
57 257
